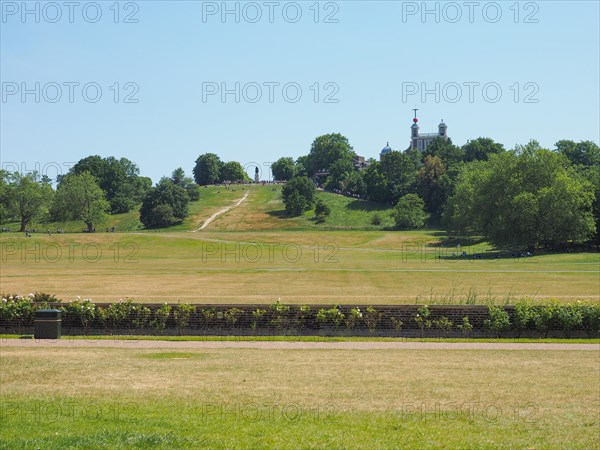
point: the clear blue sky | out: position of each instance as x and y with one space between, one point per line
374 57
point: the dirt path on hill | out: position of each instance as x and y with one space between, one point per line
222 211
65 342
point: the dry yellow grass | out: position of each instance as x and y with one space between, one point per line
555 381
536 399
553 392
298 267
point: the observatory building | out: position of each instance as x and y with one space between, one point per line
420 141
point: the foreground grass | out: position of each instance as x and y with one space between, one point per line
149 398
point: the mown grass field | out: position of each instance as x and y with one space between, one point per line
298 267
234 398
253 254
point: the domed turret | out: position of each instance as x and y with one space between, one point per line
385 150
414 129
442 129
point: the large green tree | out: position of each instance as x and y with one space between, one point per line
410 212
376 183
207 169
339 172
522 198
400 171
233 171
79 197
584 153
326 150
283 169
118 178
434 184
179 178
355 184
301 166
480 149
164 205
585 157
298 195
27 197
446 150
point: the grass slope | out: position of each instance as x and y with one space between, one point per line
212 199
263 210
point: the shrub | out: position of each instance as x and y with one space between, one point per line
332 316
161 315
465 327
7 309
568 318
83 312
422 319
231 316
353 318
410 212
208 316
443 324
42 297
523 316
140 314
396 325
498 321
279 315
543 316
182 314
321 209
376 219
257 318
372 317
298 195
115 315
590 318
301 316
17 308
23 310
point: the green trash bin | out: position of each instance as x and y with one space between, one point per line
47 324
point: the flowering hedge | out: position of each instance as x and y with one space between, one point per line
83 316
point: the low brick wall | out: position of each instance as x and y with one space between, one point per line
292 322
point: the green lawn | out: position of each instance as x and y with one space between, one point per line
154 398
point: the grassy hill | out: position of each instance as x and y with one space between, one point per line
254 253
262 210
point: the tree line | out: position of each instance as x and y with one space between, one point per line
524 197
96 187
